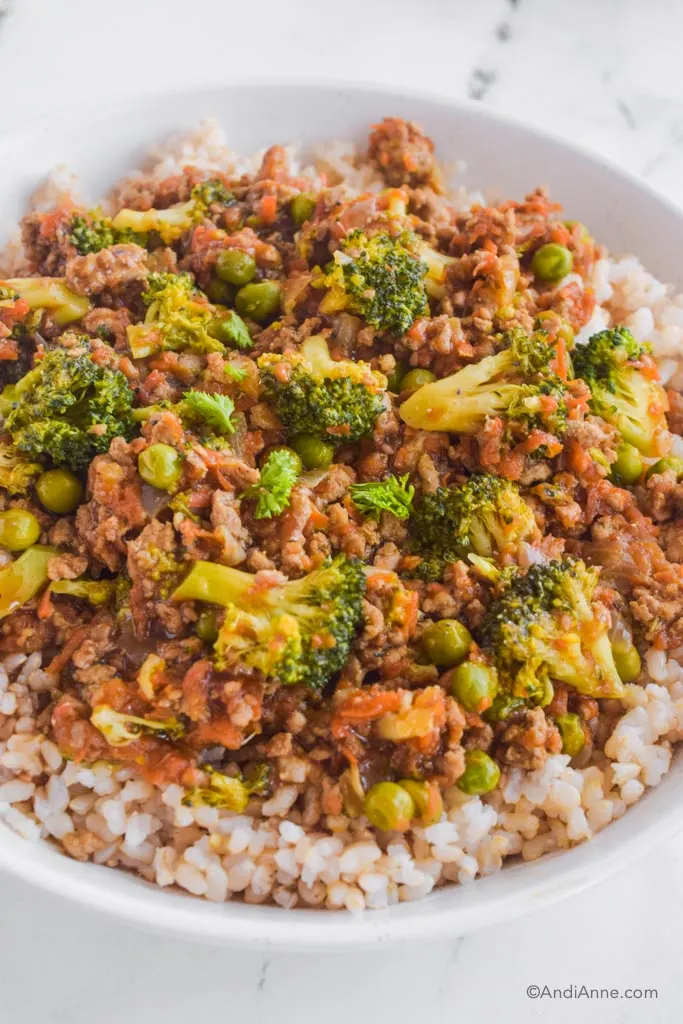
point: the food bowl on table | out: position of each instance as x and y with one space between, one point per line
493 157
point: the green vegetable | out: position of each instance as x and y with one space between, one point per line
482 516
235 373
447 642
296 632
395 378
545 626
378 278
389 807
516 383
23 578
68 409
552 262
235 266
226 791
97 592
628 465
231 330
206 626
474 685
668 464
59 490
314 453
627 660
278 476
393 495
178 318
95 232
337 401
571 731
417 378
481 774
16 472
427 799
173 222
258 301
219 292
161 466
119 730
52 294
302 208
634 402
215 410
19 529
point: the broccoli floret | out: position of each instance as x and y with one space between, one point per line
393 495
68 409
515 382
173 222
312 394
226 791
546 626
119 729
178 317
480 517
296 632
50 293
17 473
625 387
95 232
274 489
96 592
378 278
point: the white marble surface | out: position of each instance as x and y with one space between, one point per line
606 73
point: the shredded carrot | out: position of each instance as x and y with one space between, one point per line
45 607
560 363
64 656
363 707
318 519
269 209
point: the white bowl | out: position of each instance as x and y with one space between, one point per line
103 145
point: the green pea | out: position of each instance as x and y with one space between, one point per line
481 774
219 292
314 453
571 731
258 301
205 626
446 642
626 659
552 262
395 378
59 490
284 448
234 266
417 378
302 207
160 466
427 799
628 465
19 529
231 330
474 685
389 806
670 462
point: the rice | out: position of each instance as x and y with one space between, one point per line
107 813
269 853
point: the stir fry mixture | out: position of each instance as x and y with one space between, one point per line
293 476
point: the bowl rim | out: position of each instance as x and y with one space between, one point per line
267 928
